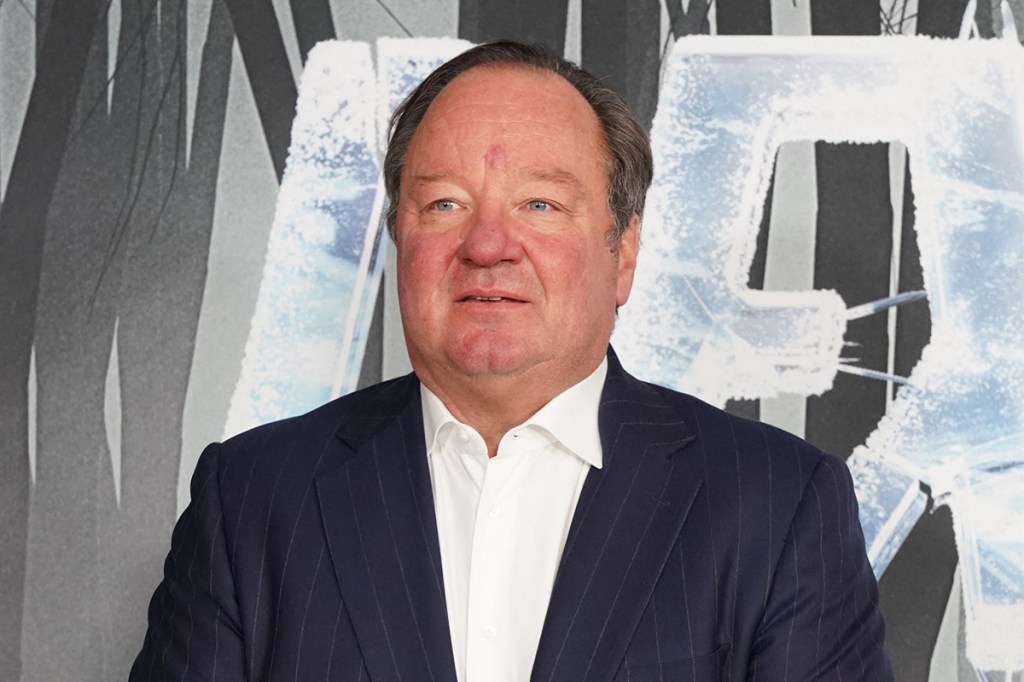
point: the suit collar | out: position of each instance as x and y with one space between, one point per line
377 510
626 523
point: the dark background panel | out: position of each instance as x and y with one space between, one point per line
619 44
914 591
690 18
313 23
941 18
846 18
852 256
534 21
743 17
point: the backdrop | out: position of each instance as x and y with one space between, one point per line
143 152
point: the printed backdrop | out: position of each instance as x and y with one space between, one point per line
170 273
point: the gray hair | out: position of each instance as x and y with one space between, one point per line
629 150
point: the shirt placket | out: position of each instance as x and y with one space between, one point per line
490 651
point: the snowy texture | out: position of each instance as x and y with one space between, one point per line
317 243
691 315
726 106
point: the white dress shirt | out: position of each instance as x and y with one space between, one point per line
503 521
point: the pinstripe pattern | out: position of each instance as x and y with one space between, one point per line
708 547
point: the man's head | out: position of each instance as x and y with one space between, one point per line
630 166
515 242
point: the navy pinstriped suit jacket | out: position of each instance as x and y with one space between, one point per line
707 548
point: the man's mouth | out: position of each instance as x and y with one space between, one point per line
489 299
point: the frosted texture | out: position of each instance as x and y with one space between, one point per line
726 105
316 244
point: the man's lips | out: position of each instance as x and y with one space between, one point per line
488 299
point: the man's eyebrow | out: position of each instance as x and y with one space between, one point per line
426 178
556 176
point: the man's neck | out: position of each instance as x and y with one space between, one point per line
494 404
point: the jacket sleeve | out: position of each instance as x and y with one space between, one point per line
194 631
822 620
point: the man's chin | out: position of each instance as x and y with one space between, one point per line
492 366
493 358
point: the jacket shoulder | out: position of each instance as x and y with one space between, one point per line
298 446
745 446
373 403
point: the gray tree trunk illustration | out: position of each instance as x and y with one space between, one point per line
266 63
59 72
133 260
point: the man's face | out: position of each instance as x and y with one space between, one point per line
503 262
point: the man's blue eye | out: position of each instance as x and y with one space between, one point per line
444 205
538 205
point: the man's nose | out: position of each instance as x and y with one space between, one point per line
492 238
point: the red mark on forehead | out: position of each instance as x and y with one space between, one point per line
495 156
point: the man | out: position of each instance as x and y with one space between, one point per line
520 507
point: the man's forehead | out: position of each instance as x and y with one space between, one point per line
500 81
527 123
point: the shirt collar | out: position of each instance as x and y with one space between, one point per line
570 417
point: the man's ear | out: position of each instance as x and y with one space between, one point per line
628 248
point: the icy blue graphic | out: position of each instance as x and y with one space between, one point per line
326 249
725 107
320 246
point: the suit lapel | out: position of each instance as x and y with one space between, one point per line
378 513
626 523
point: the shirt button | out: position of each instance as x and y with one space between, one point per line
494 511
489 632
463 437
